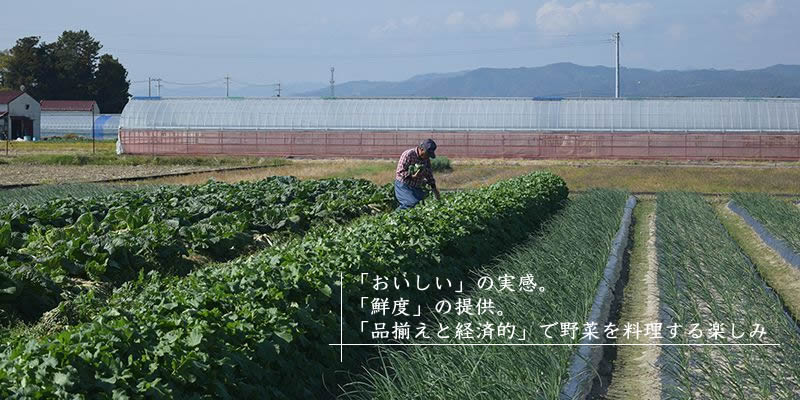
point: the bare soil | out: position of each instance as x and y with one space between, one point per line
49 174
636 375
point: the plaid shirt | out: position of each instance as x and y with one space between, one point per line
409 158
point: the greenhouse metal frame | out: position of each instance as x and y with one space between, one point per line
467 114
662 128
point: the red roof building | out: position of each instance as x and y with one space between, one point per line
20 116
70 105
7 96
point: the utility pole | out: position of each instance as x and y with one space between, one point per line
332 83
92 129
149 87
227 85
7 130
616 41
158 85
278 89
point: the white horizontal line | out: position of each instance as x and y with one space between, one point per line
556 344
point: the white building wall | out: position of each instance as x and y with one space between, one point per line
3 108
26 106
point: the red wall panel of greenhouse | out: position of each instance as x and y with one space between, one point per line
524 145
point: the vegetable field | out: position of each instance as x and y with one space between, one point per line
704 276
271 289
56 250
449 372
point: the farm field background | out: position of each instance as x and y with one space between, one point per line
179 287
73 161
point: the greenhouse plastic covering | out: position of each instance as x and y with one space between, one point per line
464 114
106 126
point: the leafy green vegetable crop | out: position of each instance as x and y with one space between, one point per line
415 168
45 248
705 278
260 327
42 193
568 258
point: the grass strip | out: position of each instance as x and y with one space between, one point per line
705 279
568 257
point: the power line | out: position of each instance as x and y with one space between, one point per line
276 86
253 84
209 82
194 83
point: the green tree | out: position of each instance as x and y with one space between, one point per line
75 56
24 65
68 69
5 58
111 85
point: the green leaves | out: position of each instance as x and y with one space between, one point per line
114 237
5 236
61 379
8 288
234 318
195 337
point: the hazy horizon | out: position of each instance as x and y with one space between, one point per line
201 42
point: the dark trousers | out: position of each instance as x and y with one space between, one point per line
407 196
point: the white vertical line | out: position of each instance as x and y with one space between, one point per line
341 316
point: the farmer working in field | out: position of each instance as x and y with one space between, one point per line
413 172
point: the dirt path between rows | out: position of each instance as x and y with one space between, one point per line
636 375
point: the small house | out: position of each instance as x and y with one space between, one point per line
20 115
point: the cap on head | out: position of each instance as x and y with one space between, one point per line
429 146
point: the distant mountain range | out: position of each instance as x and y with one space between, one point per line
571 80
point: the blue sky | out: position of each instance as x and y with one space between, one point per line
264 42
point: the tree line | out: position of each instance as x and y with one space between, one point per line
71 68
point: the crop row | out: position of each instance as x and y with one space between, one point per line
39 194
260 327
707 280
568 259
780 218
50 251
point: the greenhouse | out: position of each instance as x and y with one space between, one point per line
652 128
106 126
458 114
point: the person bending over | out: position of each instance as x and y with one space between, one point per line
413 173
